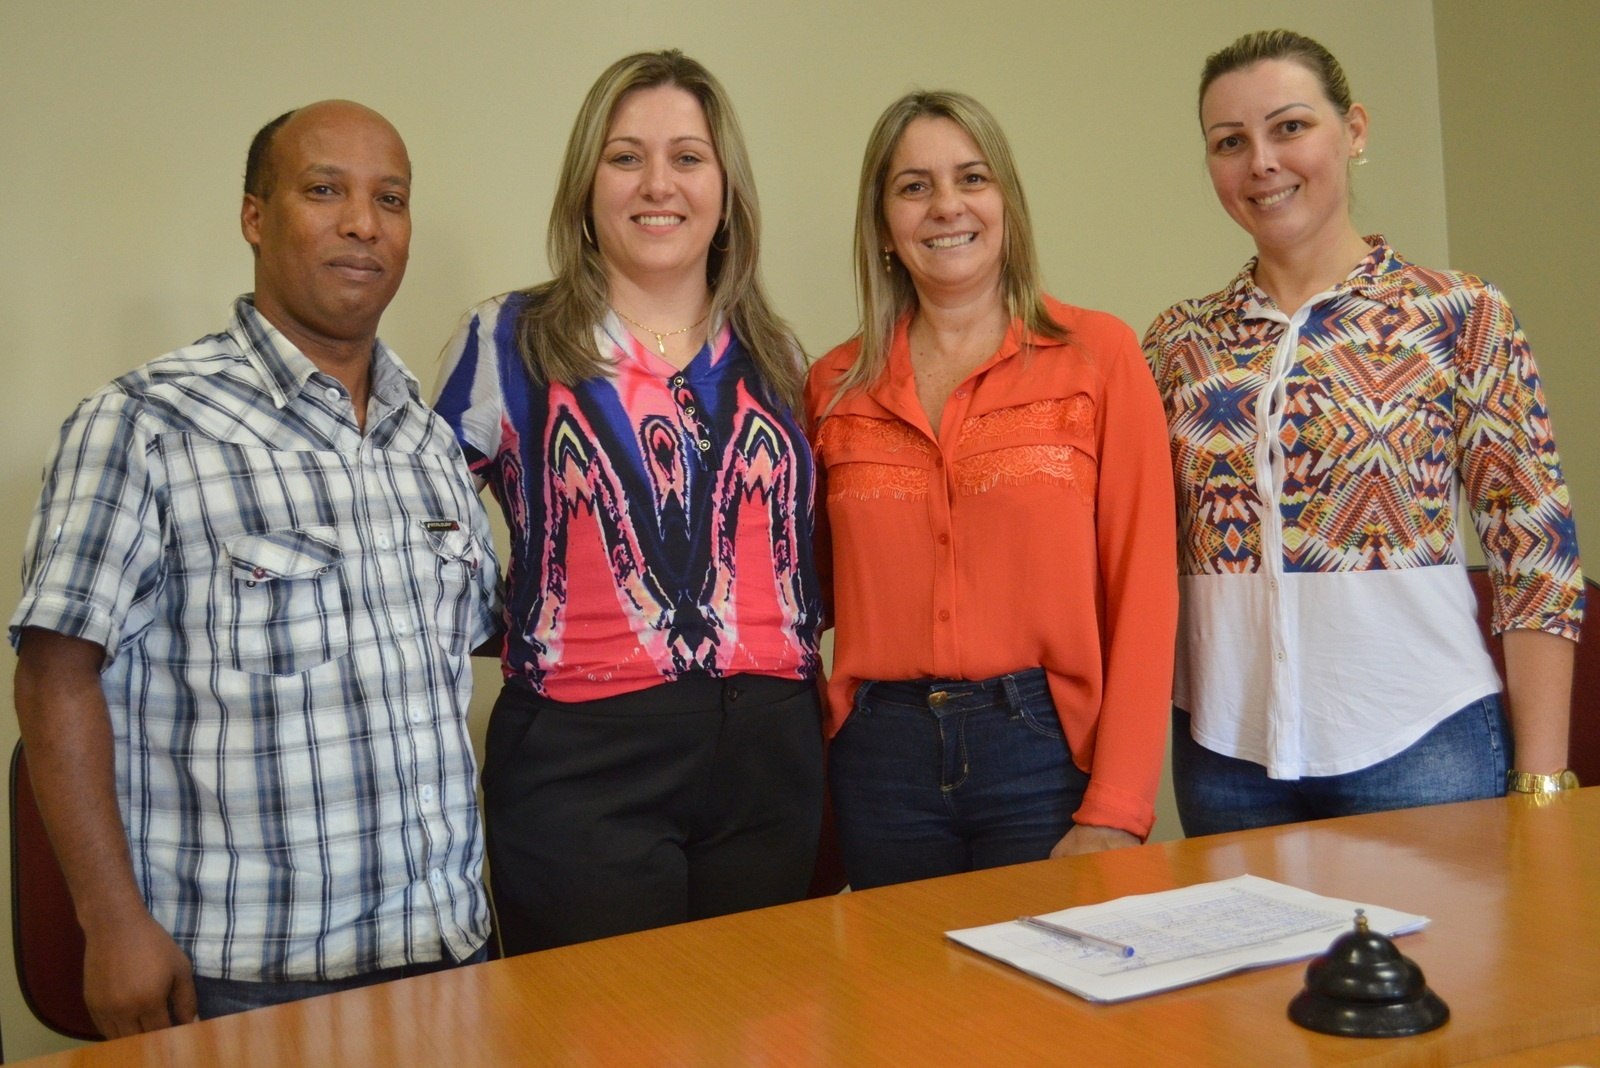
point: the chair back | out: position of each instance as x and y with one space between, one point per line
45 937
1583 745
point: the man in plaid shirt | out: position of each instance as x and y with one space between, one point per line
252 584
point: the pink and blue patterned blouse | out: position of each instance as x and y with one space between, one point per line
661 519
1321 458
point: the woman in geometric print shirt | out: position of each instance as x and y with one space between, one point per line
656 753
1329 408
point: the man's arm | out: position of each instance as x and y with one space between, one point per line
135 976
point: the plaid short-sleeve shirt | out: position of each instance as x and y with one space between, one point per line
287 606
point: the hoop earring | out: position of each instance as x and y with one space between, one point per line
587 236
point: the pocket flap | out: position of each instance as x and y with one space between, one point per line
449 539
284 554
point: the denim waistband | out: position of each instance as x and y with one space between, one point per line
917 691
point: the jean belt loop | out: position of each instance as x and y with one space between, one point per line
1013 694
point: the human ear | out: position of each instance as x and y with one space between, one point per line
250 220
1355 121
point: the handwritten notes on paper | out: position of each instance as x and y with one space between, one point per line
1179 936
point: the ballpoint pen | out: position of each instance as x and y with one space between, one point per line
1121 949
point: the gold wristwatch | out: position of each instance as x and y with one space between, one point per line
1528 782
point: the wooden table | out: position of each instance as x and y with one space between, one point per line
868 978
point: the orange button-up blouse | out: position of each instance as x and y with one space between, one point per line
1035 529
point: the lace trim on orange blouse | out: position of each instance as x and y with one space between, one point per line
1059 464
844 433
870 481
1065 413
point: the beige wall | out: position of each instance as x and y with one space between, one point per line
1518 87
124 128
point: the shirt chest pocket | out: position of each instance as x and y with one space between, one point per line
450 553
286 611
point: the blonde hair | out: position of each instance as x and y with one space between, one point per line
1263 45
883 297
555 332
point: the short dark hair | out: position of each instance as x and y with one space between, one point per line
258 175
1262 45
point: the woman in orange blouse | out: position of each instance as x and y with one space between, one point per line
998 529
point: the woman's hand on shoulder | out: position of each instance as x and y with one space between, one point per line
1087 838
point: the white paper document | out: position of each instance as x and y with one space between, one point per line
1179 936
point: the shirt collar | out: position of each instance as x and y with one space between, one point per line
1017 338
1380 276
286 370
896 388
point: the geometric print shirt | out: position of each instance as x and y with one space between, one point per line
660 518
287 606
1321 460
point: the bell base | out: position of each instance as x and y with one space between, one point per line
1316 1012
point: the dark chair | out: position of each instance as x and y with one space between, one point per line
1583 746
45 937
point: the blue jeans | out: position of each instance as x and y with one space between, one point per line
1464 758
939 776
223 997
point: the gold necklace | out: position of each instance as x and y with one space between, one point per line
661 335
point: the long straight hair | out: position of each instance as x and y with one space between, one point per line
884 296
555 333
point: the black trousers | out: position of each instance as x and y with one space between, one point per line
695 798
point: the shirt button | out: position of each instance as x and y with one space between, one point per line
938 461
944 615
333 393
678 381
703 445
944 539
402 628
1280 656
688 409
436 877
733 693
427 793
417 715
961 393
383 541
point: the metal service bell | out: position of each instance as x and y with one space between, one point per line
1363 987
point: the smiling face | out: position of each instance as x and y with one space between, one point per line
333 232
657 197
944 214
1279 152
